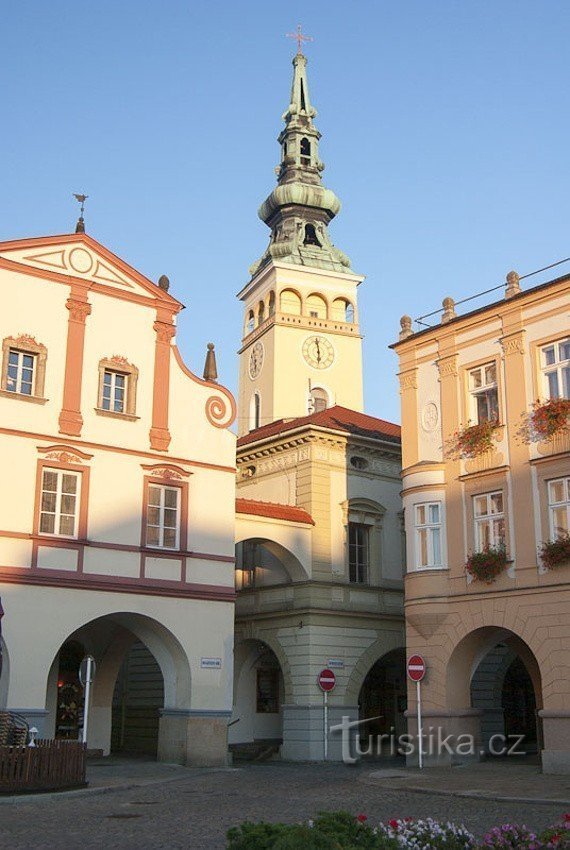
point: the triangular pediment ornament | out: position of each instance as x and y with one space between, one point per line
81 256
78 261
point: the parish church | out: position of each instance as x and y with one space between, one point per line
210 582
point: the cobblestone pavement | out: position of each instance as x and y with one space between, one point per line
193 810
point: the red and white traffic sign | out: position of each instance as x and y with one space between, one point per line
416 668
326 680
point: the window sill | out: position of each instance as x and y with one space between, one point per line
129 417
23 397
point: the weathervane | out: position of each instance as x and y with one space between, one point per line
80 226
300 37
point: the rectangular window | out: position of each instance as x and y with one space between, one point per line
59 506
113 396
559 507
555 365
163 517
488 511
484 393
358 552
428 535
20 374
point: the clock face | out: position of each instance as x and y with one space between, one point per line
318 352
256 360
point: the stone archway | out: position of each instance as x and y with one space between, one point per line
259 694
109 639
261 562
382 700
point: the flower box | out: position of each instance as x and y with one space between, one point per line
488 564
474 440
548 418
555 553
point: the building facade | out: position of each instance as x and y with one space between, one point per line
117 505
319 525
496 646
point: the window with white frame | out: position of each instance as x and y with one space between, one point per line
428 535
559 507
358 552
489 520
21 372
59 507
484 393
555 365
114 391
163 517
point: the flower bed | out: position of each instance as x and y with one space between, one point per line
488 564
343 831
473 440
555 552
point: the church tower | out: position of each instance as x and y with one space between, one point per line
301 349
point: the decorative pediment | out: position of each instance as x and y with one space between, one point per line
167 471
64 454
81 257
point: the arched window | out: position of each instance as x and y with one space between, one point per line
316 306
290 302
311 236
319 400
261 313
305 152
342 310
255 412
250 322
271 303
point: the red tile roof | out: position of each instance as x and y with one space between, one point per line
338 418
273 510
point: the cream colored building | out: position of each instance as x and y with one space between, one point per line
319 524
497 652
116 505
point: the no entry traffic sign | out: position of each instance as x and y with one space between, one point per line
416 668
326 680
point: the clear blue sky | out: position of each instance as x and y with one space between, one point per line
445 129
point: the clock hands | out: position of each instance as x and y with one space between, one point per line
318 349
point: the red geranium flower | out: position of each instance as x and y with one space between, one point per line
362 818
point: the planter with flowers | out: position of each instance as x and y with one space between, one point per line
488 564
549 418
472 441
555 553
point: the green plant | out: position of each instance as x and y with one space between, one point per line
488 564
329 831
473 440
555 552
548 418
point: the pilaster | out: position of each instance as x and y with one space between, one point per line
70 418
159 433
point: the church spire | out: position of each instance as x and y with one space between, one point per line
300 208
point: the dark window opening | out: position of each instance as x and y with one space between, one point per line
311 236
267 691
303 104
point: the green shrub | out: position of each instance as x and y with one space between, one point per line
329 831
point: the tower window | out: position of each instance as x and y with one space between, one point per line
311 236
305 152
250 322
319 400
303 104
255 412
261 313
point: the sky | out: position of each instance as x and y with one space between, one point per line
445 129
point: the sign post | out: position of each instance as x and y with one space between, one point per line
416 668
326 681
86 675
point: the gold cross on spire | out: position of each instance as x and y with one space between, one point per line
300 36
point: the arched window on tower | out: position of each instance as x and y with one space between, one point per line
250 322
290 302
255 411
271 303
261 313
316 306
305 151
319 400
311 236
342 310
